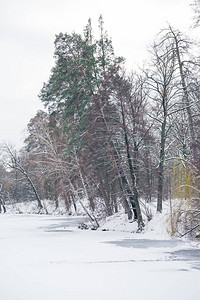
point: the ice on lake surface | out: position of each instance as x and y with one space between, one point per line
146 243
189 255
48 257
63 224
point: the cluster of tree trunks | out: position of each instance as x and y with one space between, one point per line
109 137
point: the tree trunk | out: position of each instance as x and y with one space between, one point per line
2 205
134 199
149 181
161 165
40 206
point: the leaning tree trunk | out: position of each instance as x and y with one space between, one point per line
34 190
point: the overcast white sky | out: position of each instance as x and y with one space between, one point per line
27 33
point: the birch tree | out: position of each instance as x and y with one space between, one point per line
14 162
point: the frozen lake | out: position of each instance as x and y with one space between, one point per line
48 257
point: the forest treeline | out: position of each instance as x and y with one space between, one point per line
109 139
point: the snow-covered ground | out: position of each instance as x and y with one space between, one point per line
48 257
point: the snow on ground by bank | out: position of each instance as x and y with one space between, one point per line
158 227
31 207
